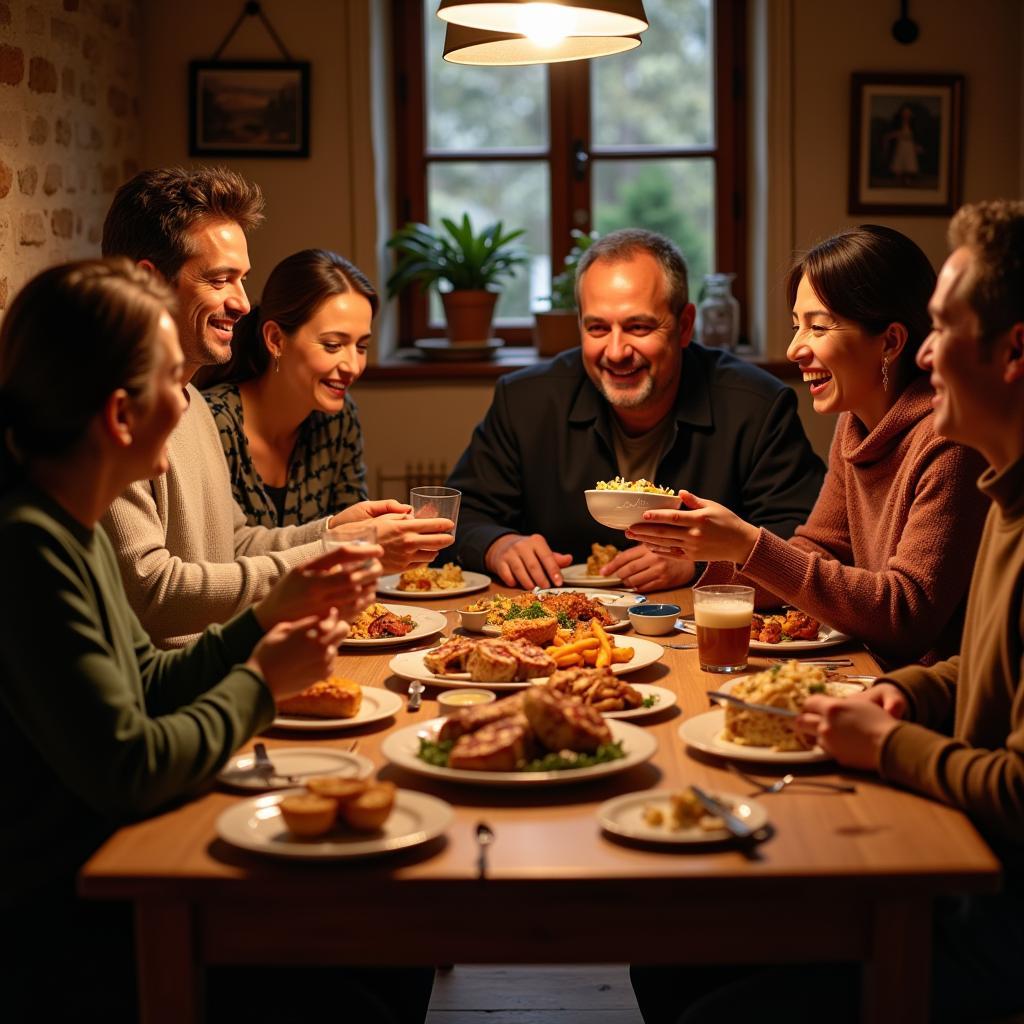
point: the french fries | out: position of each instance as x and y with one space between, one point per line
591 645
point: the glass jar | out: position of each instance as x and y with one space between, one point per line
718 314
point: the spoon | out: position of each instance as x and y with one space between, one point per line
484 838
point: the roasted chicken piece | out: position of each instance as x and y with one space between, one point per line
450 656
800 626
597 687
562 724
389 624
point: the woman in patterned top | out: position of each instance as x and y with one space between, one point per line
288 425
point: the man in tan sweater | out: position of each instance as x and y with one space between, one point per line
186 554
954 731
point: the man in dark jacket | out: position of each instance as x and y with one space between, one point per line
636 400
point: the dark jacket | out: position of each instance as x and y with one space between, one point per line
547 438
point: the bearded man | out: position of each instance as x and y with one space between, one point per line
637 400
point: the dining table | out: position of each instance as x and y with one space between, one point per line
836 877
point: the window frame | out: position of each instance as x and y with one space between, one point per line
569 129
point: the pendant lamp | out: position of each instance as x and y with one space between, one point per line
477 46
579 18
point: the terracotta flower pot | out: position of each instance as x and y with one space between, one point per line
469 315
555 330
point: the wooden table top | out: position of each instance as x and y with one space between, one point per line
879 836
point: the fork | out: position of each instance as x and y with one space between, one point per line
788 780
265 767
484 838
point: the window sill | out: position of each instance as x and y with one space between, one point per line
407 364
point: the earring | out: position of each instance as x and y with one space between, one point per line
277 364
885 374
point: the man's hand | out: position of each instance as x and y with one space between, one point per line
851 731
526 562
888 697
407 542
647 570
364 510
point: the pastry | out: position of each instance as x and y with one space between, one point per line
540 631
370 809
308 814
330 698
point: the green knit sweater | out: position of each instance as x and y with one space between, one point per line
97 726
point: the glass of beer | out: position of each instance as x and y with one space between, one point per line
723 615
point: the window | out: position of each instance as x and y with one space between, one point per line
649 138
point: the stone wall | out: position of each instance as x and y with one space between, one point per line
70 73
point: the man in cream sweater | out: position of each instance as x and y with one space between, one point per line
187 556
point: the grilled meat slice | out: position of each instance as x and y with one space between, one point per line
562 724
450 656
389 624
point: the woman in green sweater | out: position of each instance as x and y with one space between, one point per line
97 726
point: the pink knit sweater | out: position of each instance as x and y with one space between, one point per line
887 552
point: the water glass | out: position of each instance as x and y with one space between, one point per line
435 503
354 535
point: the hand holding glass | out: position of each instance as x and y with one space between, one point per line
723 615
354 535
436 503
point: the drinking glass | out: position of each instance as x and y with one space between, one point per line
436 503
723 614
355 535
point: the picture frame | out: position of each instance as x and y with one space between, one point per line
906 143
249 108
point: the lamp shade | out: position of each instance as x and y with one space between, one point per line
476 46
565 17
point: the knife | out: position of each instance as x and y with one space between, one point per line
740 829
768 709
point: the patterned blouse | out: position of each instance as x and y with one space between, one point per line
326 473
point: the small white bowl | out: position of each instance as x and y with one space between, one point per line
654 619
474 621
619 510
451 701
618 607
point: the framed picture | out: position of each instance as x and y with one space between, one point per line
249 108
905 144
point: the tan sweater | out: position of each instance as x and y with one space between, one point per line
887 551
187 557
964 743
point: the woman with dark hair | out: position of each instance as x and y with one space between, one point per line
289 427
100 726
886 553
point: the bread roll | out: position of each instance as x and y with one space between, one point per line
308 814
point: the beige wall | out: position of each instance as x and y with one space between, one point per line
69 127
326 200
980 40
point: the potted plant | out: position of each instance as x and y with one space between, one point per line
557 329
469 263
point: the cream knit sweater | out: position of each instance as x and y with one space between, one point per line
187 556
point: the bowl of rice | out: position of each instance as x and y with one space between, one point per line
619 503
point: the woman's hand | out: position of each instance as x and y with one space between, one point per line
852 731
702 532
408 542
343 580
294 655
364 510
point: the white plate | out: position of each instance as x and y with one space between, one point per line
624 816
377 704
428 623
827 637
578 575
256 824
409 665
703 732
474 581
295 761
401 748
666 699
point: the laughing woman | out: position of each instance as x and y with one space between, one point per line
289 427
887 551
